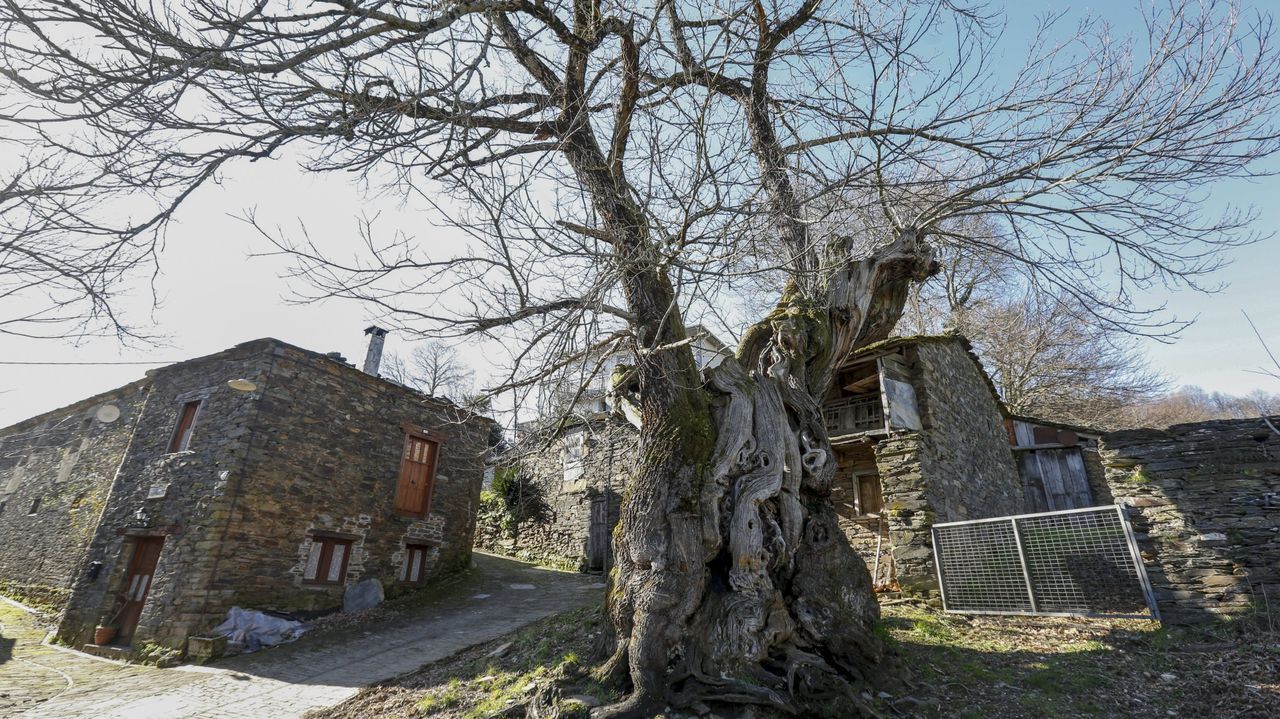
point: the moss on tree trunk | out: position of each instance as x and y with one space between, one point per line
734 585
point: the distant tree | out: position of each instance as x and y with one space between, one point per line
1048 356
1193 404
1048 360
433 368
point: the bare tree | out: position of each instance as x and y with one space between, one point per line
1047 356
621 166
61 263
1049 360
433 368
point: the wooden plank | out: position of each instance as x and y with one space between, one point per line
1054 487
1032 484
900 399
1076 478
1024 432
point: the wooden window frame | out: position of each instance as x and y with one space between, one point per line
327 543
406 570
413 432
186 426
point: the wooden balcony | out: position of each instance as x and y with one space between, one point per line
854 415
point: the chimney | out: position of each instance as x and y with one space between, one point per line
373 358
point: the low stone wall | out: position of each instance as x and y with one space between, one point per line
1205 504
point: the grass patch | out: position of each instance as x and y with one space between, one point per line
964 666
1007 667
500 677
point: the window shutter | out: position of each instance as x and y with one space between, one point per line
336 563
186 422
313 561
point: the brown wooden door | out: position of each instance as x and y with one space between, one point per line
142 567
417 469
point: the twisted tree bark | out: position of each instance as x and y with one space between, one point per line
734 584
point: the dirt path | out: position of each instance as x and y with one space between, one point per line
497 597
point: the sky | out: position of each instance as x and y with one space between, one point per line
214 295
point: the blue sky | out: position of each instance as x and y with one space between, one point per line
214 296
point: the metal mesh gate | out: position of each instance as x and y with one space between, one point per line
1072 562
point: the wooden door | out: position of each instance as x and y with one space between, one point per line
417 470
598 546
142 567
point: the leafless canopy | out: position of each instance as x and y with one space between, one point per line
717 136
433 368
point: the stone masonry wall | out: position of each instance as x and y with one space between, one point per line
180 496
909 513
1204 500
568 485
55 473
324 457
958 467
965 453
316 447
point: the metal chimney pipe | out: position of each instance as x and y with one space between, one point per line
373 358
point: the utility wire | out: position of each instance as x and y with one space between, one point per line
5 362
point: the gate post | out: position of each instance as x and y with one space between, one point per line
1022 559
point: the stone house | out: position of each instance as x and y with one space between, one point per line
265 476
920 437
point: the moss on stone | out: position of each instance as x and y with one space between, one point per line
1139 475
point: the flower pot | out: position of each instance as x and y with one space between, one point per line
103 635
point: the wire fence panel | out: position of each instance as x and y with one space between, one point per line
1077 562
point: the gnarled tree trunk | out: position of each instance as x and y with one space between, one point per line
735 585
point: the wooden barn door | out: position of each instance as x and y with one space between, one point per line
1058 477
142 568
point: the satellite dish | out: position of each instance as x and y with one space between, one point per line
242 385
107 413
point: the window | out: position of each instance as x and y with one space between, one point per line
417 473
414 567
327 563
35 506
186 423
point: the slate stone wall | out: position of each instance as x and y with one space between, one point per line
608 449
908 511
325 457
1204 500
965 452
55 473
316 447
181 496
958 467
